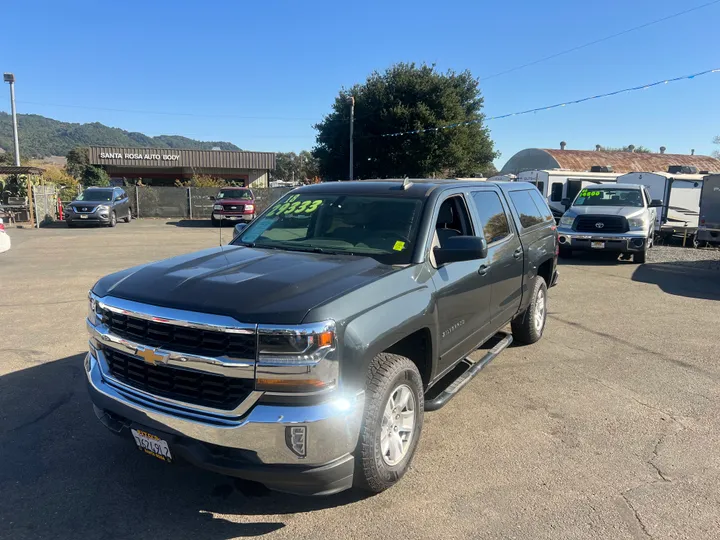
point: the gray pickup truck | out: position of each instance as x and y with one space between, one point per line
303 354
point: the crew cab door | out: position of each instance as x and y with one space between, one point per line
462 293
505 260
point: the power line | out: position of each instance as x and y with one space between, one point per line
538 109
163 113
600 40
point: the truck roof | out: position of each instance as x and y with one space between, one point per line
416 188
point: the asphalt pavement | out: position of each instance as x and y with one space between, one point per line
607 428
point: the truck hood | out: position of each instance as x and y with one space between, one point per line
251 285
627 211
235 201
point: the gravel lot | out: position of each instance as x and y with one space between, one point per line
608 428
704 258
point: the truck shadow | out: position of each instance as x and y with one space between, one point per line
594 259
63 475
202 223
682 278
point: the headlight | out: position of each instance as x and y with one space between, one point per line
297 359
567 221
217 207
92 309
250 207
638 223
103 207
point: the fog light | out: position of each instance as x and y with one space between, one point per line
562 239
296 440
638 242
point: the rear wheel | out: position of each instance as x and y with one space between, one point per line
392 422
128 218
528 327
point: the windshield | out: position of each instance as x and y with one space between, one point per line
235 194
379 227
609 197
96 195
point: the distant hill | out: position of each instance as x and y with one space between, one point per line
41 137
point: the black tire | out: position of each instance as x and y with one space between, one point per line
214 222
113 219
128 218
71 225
639 257
388 374
525 328
565 253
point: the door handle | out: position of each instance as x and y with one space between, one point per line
483 269
518 253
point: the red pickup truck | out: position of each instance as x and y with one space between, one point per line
233 204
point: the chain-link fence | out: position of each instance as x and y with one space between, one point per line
45 199
188 203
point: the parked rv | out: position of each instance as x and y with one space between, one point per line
709 222
679 190
556 185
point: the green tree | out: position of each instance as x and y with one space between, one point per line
78 160
95 176
637 149
406 97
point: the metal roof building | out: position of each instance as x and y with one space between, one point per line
162 166
621 162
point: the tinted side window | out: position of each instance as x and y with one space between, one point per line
541 187
542 205
492 216
556 195
526 209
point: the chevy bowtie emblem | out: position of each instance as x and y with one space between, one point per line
151 356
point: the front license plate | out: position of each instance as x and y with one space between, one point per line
597 245
83 217
150 444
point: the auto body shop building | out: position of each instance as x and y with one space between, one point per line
163 166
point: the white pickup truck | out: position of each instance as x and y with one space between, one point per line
609 217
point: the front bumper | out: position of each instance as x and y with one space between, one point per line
96 217
234 217
253 446
629 242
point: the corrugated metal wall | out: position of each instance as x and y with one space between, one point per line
168 157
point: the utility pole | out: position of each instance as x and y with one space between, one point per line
10 78
351 99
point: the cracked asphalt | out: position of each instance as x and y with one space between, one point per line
608 428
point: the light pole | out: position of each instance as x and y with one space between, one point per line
351 100
10 78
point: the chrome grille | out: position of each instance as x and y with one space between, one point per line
181 339
193 387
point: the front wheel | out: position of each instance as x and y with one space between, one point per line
527 327
113 219
214 222
392 422
565 252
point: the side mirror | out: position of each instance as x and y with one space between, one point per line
118 198
656 203
567 203
239 228
461 248
212 198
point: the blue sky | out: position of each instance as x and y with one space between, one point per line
259 74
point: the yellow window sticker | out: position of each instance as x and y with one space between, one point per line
399 246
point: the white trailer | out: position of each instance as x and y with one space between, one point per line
680 194
558 184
